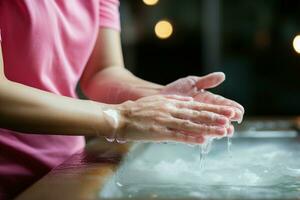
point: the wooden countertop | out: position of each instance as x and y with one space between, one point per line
80 177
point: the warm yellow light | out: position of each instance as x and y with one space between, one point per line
296 44
150 2
163 29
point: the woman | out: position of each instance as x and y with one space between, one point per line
48 47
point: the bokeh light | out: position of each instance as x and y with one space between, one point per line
163 29
296 44
150 2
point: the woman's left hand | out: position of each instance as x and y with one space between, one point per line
195 86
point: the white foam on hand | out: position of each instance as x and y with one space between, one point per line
112 116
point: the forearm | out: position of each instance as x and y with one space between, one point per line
116 84
105 79
30 110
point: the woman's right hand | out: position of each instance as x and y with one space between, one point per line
172 118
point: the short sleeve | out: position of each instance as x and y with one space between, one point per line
109 14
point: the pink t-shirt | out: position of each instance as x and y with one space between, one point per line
46 44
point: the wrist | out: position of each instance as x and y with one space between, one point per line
124 115
116 116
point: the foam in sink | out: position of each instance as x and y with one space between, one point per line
255 168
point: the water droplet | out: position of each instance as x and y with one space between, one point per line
119 184
110 139
121 141
229 144
204 149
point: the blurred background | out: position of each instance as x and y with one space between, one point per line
254 42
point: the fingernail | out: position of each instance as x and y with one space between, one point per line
230 132
240 120
238 116
231 113
221 131
222 120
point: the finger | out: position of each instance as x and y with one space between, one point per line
195 129
211 80
238 115
165 134
214 131
210 98
200 117
181 86
185 138
218 109
221 110
178 97
199 139
230 131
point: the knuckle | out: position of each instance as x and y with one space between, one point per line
198 105
152 129
161 106
212 117
160 119
220 131
186 123
156 119
206 129
192 78
159 97
206 116
195 113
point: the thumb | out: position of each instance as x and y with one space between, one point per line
211 80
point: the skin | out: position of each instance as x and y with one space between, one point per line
102 76
146 111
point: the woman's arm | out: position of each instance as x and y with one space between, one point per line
31 110
106 79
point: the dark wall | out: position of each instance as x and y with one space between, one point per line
263 70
